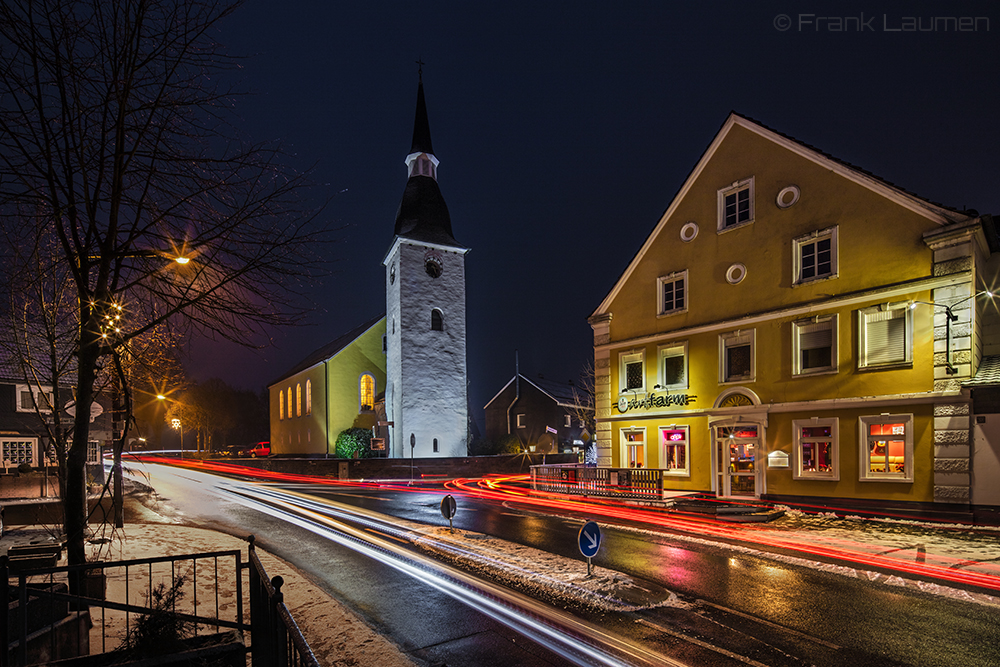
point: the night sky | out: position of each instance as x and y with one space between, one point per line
565 129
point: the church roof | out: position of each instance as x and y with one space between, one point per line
329 350
423 214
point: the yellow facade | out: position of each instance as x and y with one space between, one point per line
784 332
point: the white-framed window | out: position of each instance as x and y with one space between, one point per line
675 450
520 421
736 357
814 345
93 451
671 293
366 392
633 452
886 448
632 372
816 450
815 256
16 451
885 336
673 366
736 204
309 397
568 421
29 396
281 404
437 320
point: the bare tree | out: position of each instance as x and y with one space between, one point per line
583 394
115 147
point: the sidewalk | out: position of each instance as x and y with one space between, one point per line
336 636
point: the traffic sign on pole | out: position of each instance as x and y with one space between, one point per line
448 509
589 541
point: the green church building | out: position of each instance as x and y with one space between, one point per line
334 388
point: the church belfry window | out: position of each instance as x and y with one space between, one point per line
437 320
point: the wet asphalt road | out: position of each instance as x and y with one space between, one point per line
746 609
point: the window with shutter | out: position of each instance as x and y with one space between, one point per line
884 336
814 345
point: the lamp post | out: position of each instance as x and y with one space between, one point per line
950 317
175 424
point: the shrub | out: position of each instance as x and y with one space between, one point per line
353 442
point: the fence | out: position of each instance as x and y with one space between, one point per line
115 597
580 480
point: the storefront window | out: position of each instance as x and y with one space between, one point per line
887 448
674 443
816 449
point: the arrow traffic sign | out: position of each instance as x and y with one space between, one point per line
589 539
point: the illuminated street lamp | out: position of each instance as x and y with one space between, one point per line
175 424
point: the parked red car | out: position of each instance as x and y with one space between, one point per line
260 449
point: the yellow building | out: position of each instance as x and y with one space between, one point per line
797 329
335 388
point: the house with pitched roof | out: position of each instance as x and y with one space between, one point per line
545 416
797 329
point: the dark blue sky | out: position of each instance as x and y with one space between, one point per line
565 129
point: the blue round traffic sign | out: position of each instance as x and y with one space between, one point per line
589 539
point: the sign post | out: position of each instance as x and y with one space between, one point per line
589 541
448 509
413 444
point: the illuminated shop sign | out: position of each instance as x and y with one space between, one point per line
654 401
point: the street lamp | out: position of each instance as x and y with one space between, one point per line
175 424
950 317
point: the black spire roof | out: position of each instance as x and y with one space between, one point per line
421 128
423 215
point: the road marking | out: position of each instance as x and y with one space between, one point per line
703 644
777 626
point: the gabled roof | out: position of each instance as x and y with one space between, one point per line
934 212
564 394
329 350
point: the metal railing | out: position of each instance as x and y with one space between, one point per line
54 624
578 479
277 639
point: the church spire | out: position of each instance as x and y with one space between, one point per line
421 128
423 215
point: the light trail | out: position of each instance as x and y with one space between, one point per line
571 638
502 489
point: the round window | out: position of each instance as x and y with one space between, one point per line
689 231
788 196
736 274
433 267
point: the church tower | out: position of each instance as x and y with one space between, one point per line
426 376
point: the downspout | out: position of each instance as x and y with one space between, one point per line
326 402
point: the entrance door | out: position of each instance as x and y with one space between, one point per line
986 460
737 451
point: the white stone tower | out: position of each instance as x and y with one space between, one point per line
426 377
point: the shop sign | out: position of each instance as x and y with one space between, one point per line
654 401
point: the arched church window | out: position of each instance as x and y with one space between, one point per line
367 392
437 320
298 399
281 404
435 444
309 397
